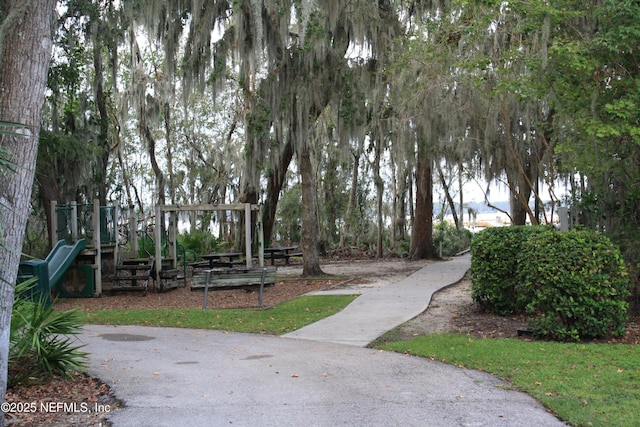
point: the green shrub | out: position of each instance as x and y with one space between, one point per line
39 340
448 240
627 238
495 267
201 242
576 284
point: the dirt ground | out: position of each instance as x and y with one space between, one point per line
451 310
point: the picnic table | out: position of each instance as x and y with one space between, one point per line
224 259
281 252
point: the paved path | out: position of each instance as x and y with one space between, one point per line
379 310
182 377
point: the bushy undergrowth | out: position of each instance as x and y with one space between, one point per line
575 283
448 240
201 242
628 240
40 343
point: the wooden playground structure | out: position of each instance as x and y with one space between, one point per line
114 259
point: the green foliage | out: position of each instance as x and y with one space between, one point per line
259 119
628 240
289 218
39 340
576 283
450 240
201 242
597 83
494 265
403 246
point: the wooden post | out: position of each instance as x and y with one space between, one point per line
158 244
98 248
133 232
54 223
173 237
96 224
247 232
116 237
74 221
260 239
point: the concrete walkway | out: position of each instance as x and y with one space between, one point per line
176 377
379 310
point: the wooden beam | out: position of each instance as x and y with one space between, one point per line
207 207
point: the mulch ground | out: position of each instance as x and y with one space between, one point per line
184 297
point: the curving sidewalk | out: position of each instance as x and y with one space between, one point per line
379 310
177 377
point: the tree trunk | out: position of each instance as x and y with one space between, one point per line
126 182
461 195
422 230
329 232
394 199
169 139
151 147
26 44
103 136
274 186
401 207
353 193
311 258
379 183
447 194
518 204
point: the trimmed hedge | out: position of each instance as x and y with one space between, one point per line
494 264
576 283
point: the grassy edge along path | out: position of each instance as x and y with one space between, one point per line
278 320
583 384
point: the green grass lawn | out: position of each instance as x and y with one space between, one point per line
281 319
583 384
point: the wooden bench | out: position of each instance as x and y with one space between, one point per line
232 278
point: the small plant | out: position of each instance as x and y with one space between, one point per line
576 283
39 340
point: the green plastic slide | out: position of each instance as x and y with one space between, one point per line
60 259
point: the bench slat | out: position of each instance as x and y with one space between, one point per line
221 278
